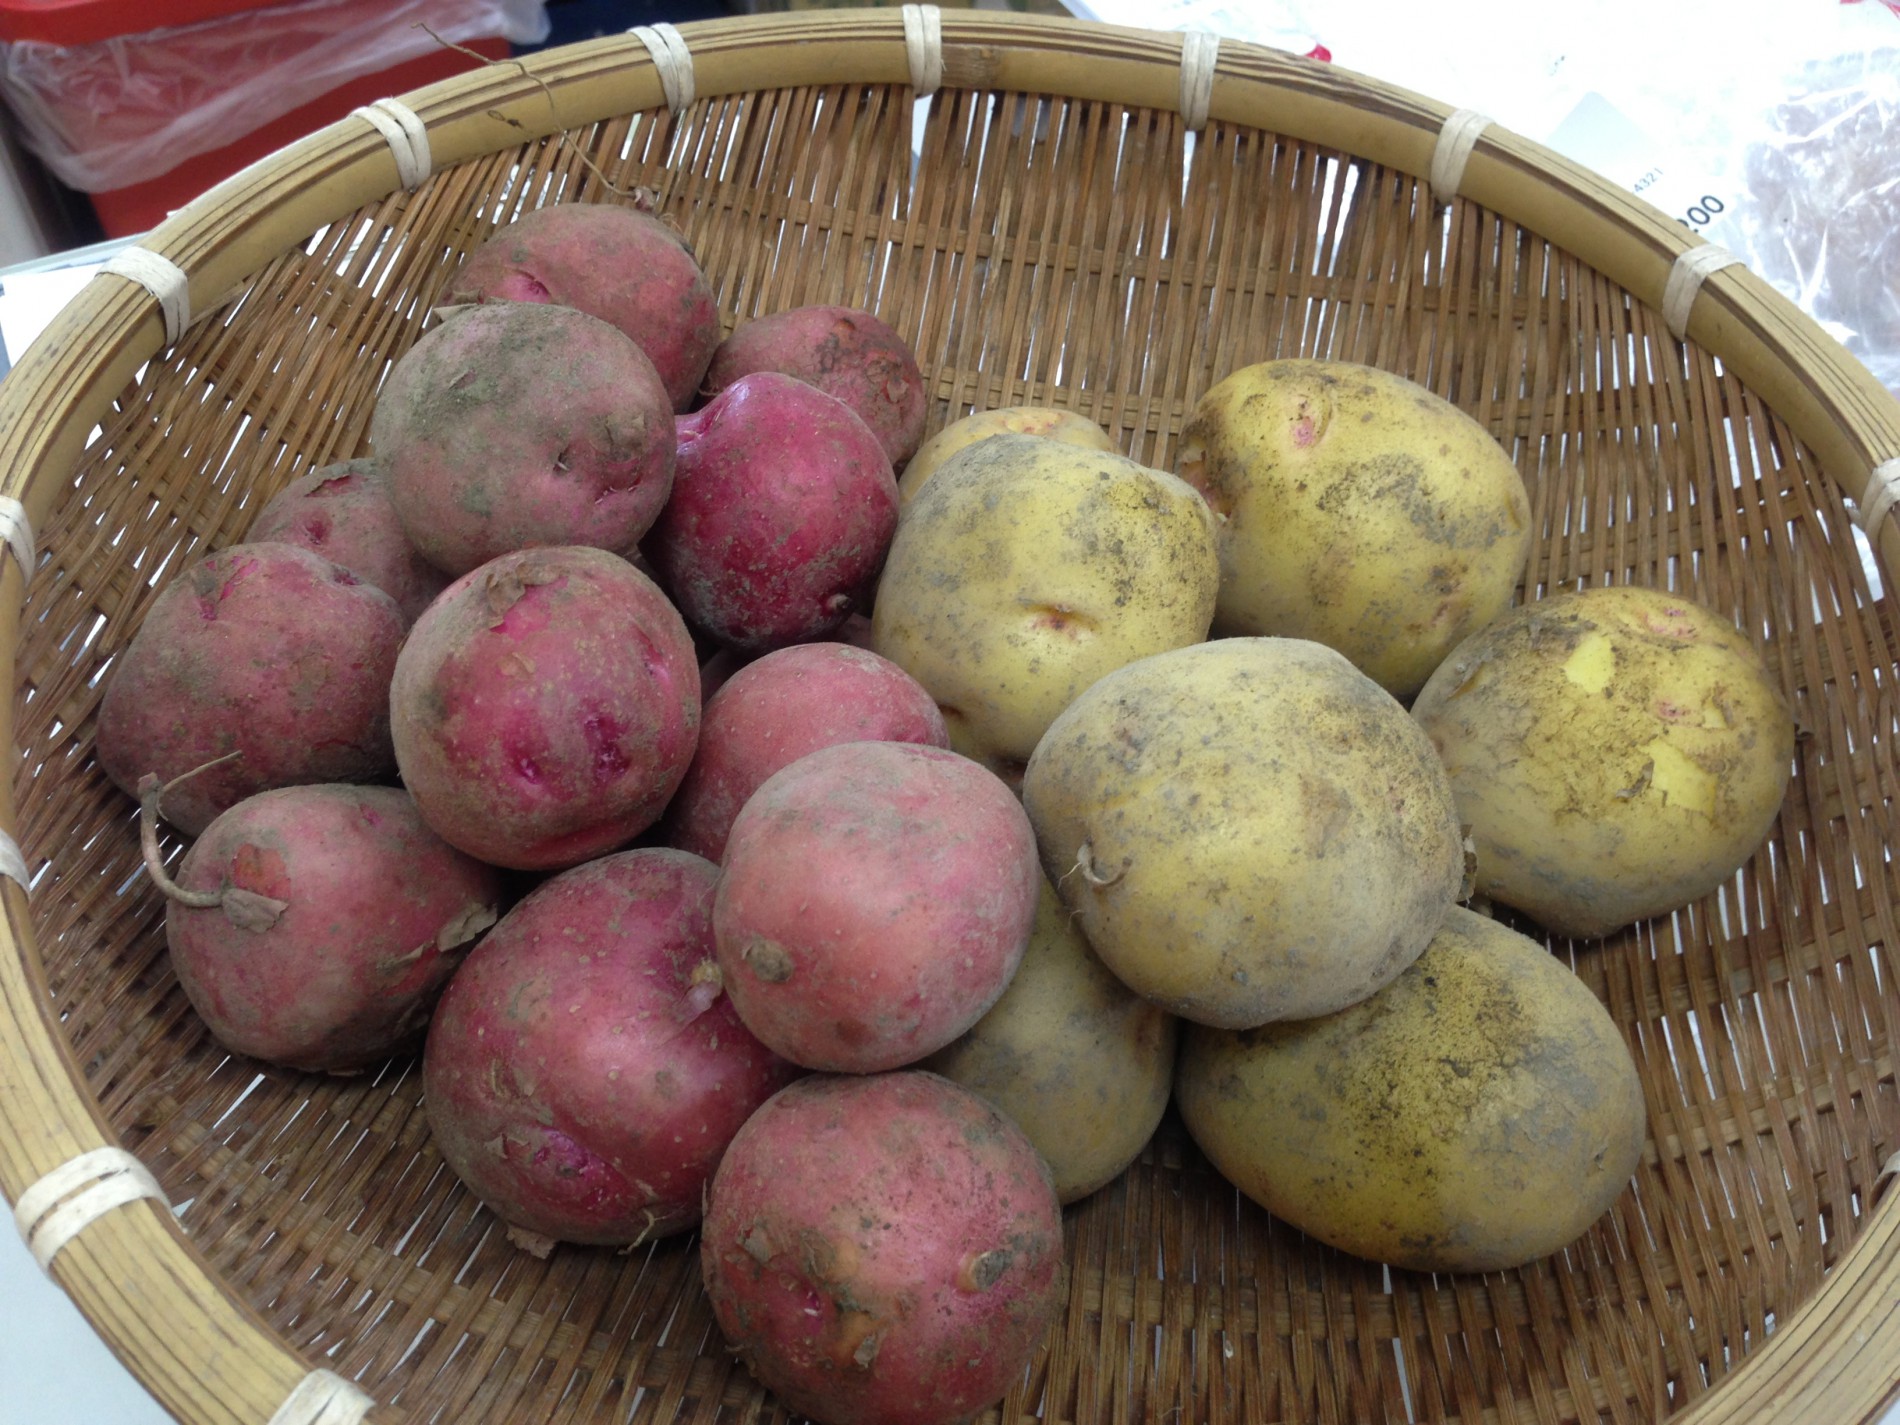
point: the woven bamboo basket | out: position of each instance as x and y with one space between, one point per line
1099 220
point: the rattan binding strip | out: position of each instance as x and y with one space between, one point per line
16 530
13 862
1200 52
1452 152
161 277
923 47
73 1196
1692 269
323 1398
673 60
1883 490
408 139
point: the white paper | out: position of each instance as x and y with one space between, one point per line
1604 139
30 300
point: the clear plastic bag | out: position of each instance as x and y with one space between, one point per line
1821 211
102 116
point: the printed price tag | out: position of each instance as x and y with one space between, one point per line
1602 137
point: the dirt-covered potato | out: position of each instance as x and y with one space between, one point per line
1361 511
874 901
882 1249
1617 752
1080 1061
1247 830
1045 421
1478 1113
1024 570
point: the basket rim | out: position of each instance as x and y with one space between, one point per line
134 1273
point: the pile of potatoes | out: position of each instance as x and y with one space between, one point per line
858 867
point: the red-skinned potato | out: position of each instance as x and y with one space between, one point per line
546 707
515 424
843 351
876 900
263 650
343 512
622 265
783 506
583 1074
882 1250
778 708
723 662
313 926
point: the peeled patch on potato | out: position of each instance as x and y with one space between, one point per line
1246 830
1617 752
1360 510
1025 570
1478 1113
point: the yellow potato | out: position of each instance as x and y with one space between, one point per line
1361 511
1478 1113
1247 830
1081 1063
1045 421
1024 570
1617 753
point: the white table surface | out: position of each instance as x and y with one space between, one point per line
56 1370
53 1368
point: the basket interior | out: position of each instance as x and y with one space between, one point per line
1102 258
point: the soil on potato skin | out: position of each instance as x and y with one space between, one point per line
265 650
914 1285
843 351
1479 1112
1216 815
514 425
625 267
